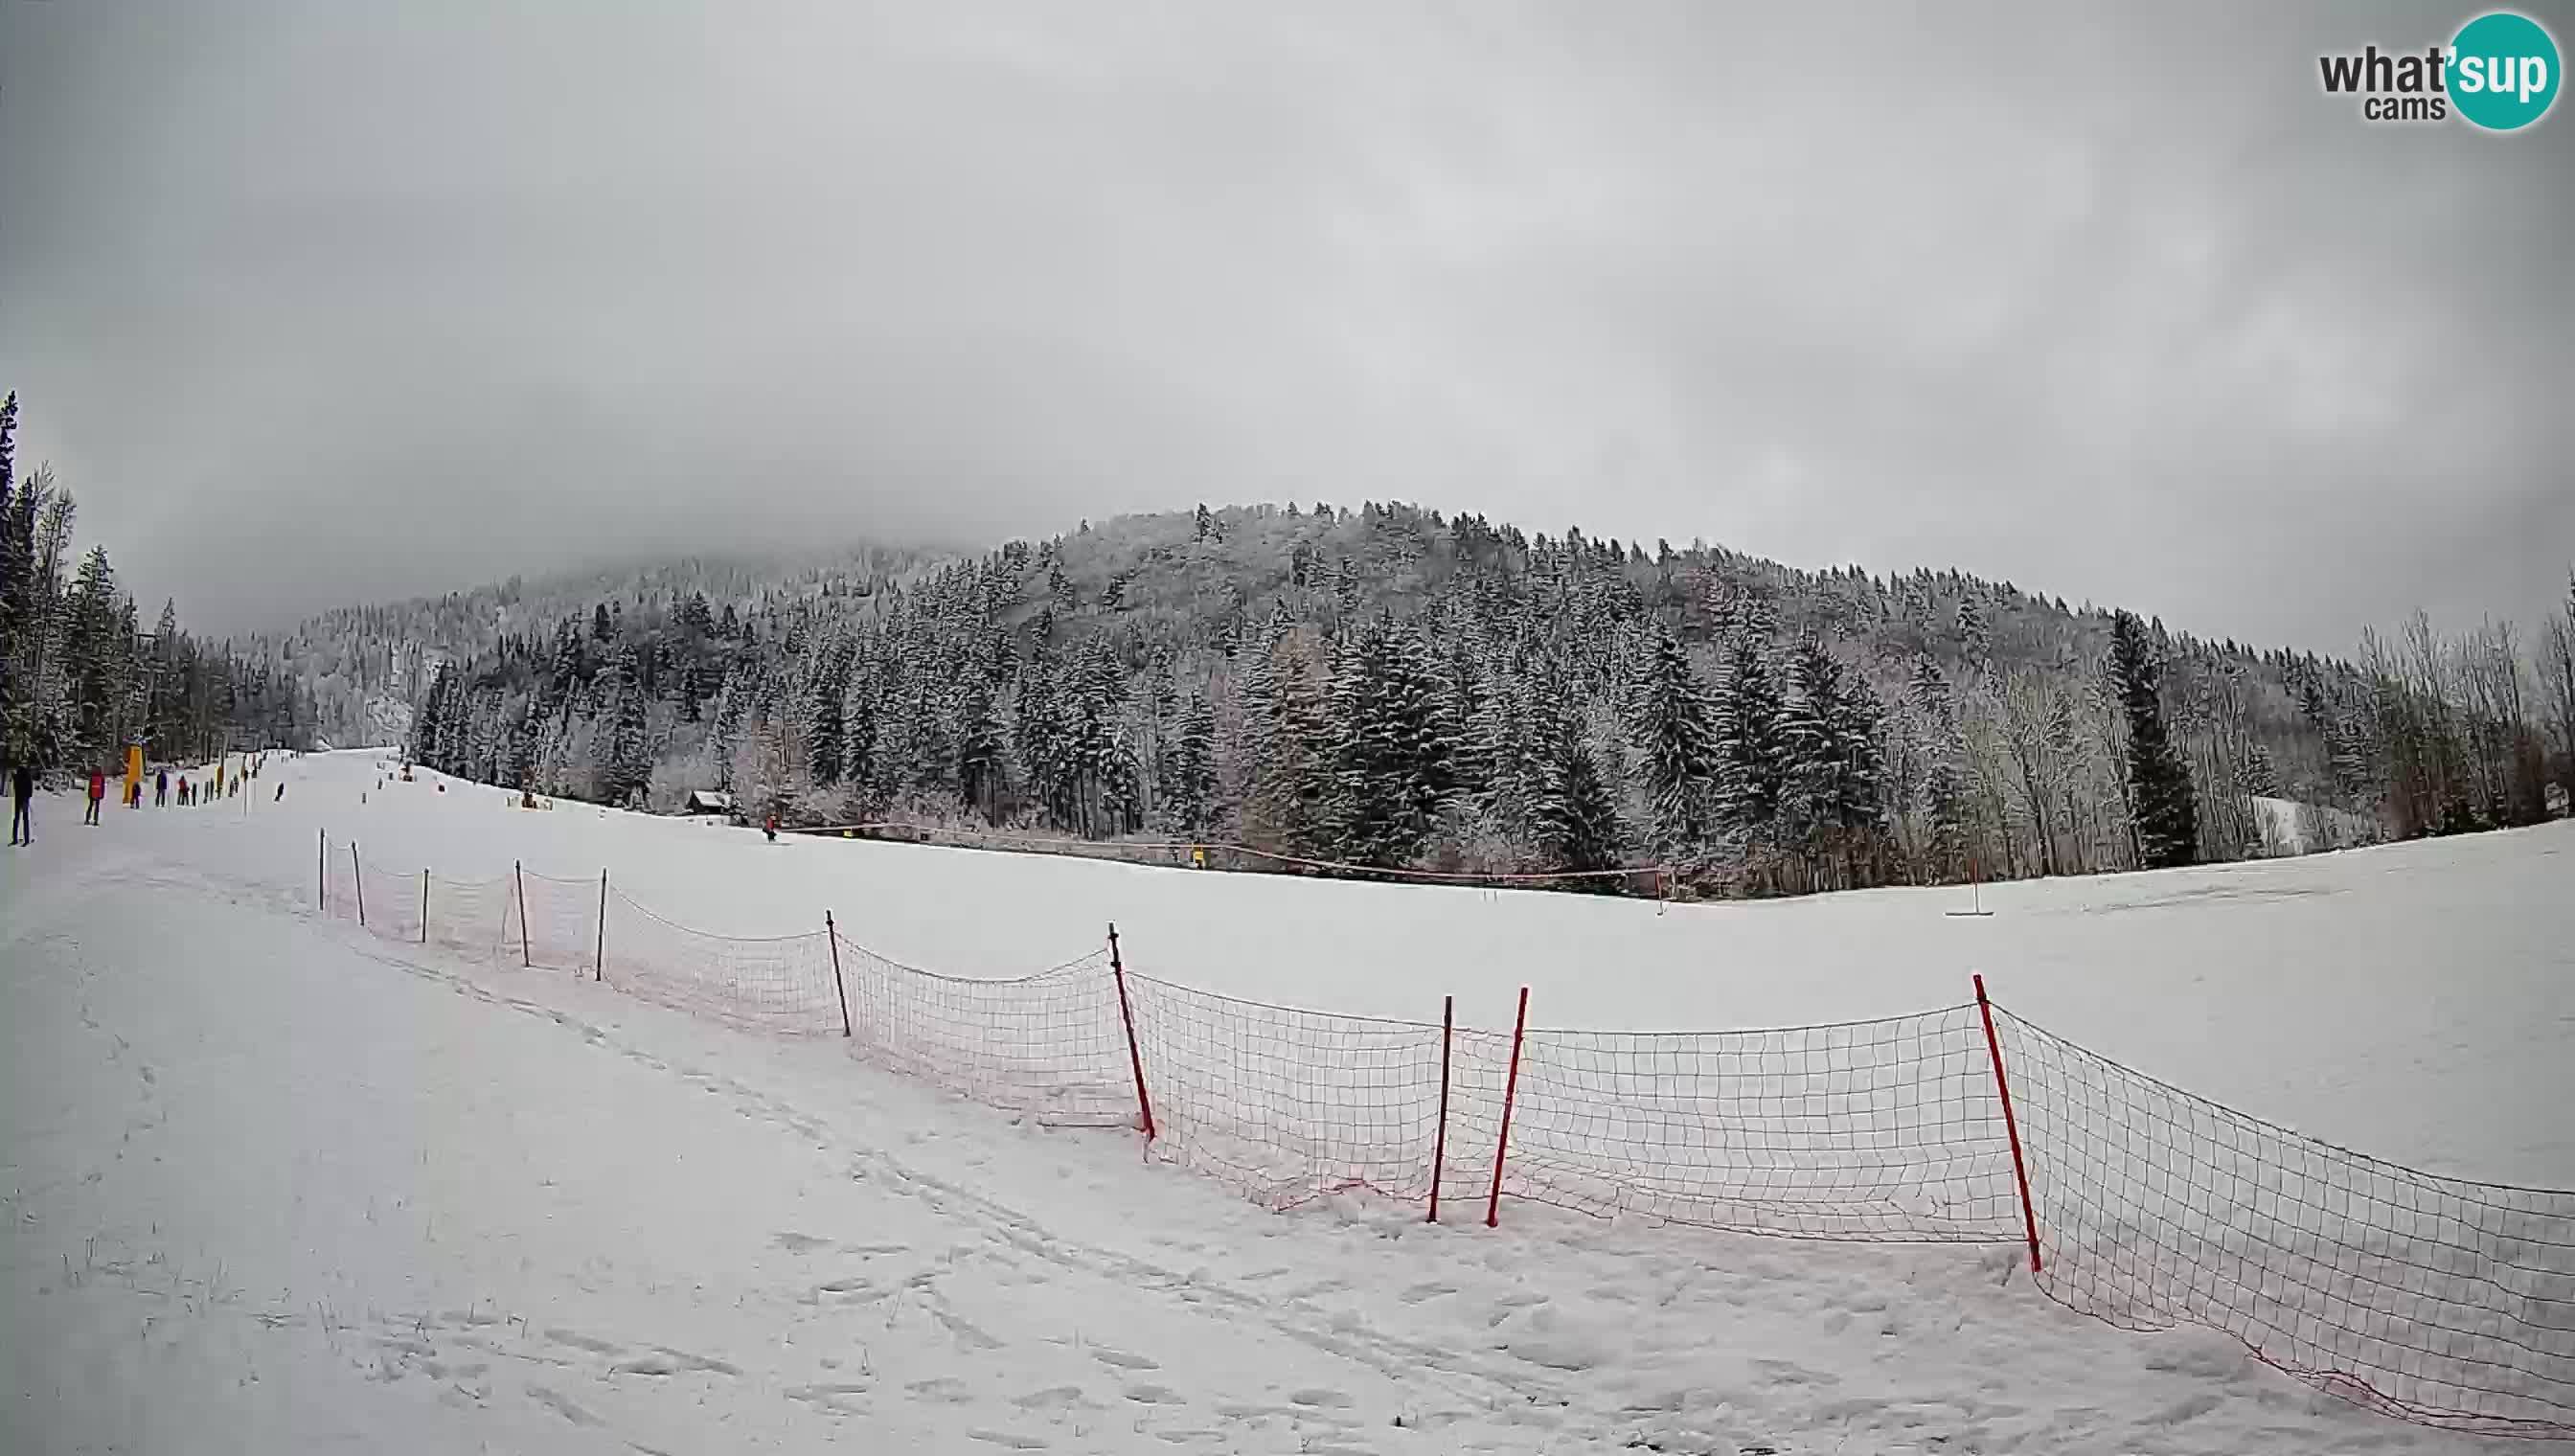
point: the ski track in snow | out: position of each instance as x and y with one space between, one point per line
271 1184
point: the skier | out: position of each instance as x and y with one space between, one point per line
771 828
161 790
22 787
281 793
97 793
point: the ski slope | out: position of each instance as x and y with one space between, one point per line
2415 1002
271 1186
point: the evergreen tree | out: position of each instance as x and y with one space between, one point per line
422 747
982 751
624 743
1975 628
1751 756
1191 788
94 659
1106 758
1256 670
1391 765
692 692
1833 779
1675 735
862 731
1289 809
1943 789
2167 812
1575 822
599 631
825 729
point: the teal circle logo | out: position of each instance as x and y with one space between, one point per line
2503 71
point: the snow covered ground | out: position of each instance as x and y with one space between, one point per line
273 1186
2415 1002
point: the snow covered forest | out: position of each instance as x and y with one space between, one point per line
80 678
1391 687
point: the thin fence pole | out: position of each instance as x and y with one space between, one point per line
322 870
599 965
424 906
1510 1090
519 878
358 877
832 934
1439 1140
1125 1014
2011 1126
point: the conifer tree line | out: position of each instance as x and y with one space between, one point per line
1390 688
80 677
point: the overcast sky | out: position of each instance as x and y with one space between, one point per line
313 303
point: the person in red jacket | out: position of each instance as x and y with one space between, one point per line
97 794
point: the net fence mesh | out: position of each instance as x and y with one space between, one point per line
2433 1299
1287 1106
2430 1299
1049 1045
1878 1130
778 984
414 906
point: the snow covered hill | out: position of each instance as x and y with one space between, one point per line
272 1185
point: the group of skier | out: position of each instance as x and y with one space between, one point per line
214 785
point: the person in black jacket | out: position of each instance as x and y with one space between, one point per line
22 787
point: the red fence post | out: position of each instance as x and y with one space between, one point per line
1510 1090
832 934
2011 1127
1439 1140
358 877
1126 1014
600 966
424 906
518 876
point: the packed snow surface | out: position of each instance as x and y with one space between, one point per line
272 1186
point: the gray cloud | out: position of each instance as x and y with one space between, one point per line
313 303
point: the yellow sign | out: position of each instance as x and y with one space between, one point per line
133 773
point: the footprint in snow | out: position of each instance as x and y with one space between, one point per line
1318 1399
1124 1362
561 1405
1012 1439
1056 1397
966 1331
825 1392
800 1244
707 1364
580 1341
